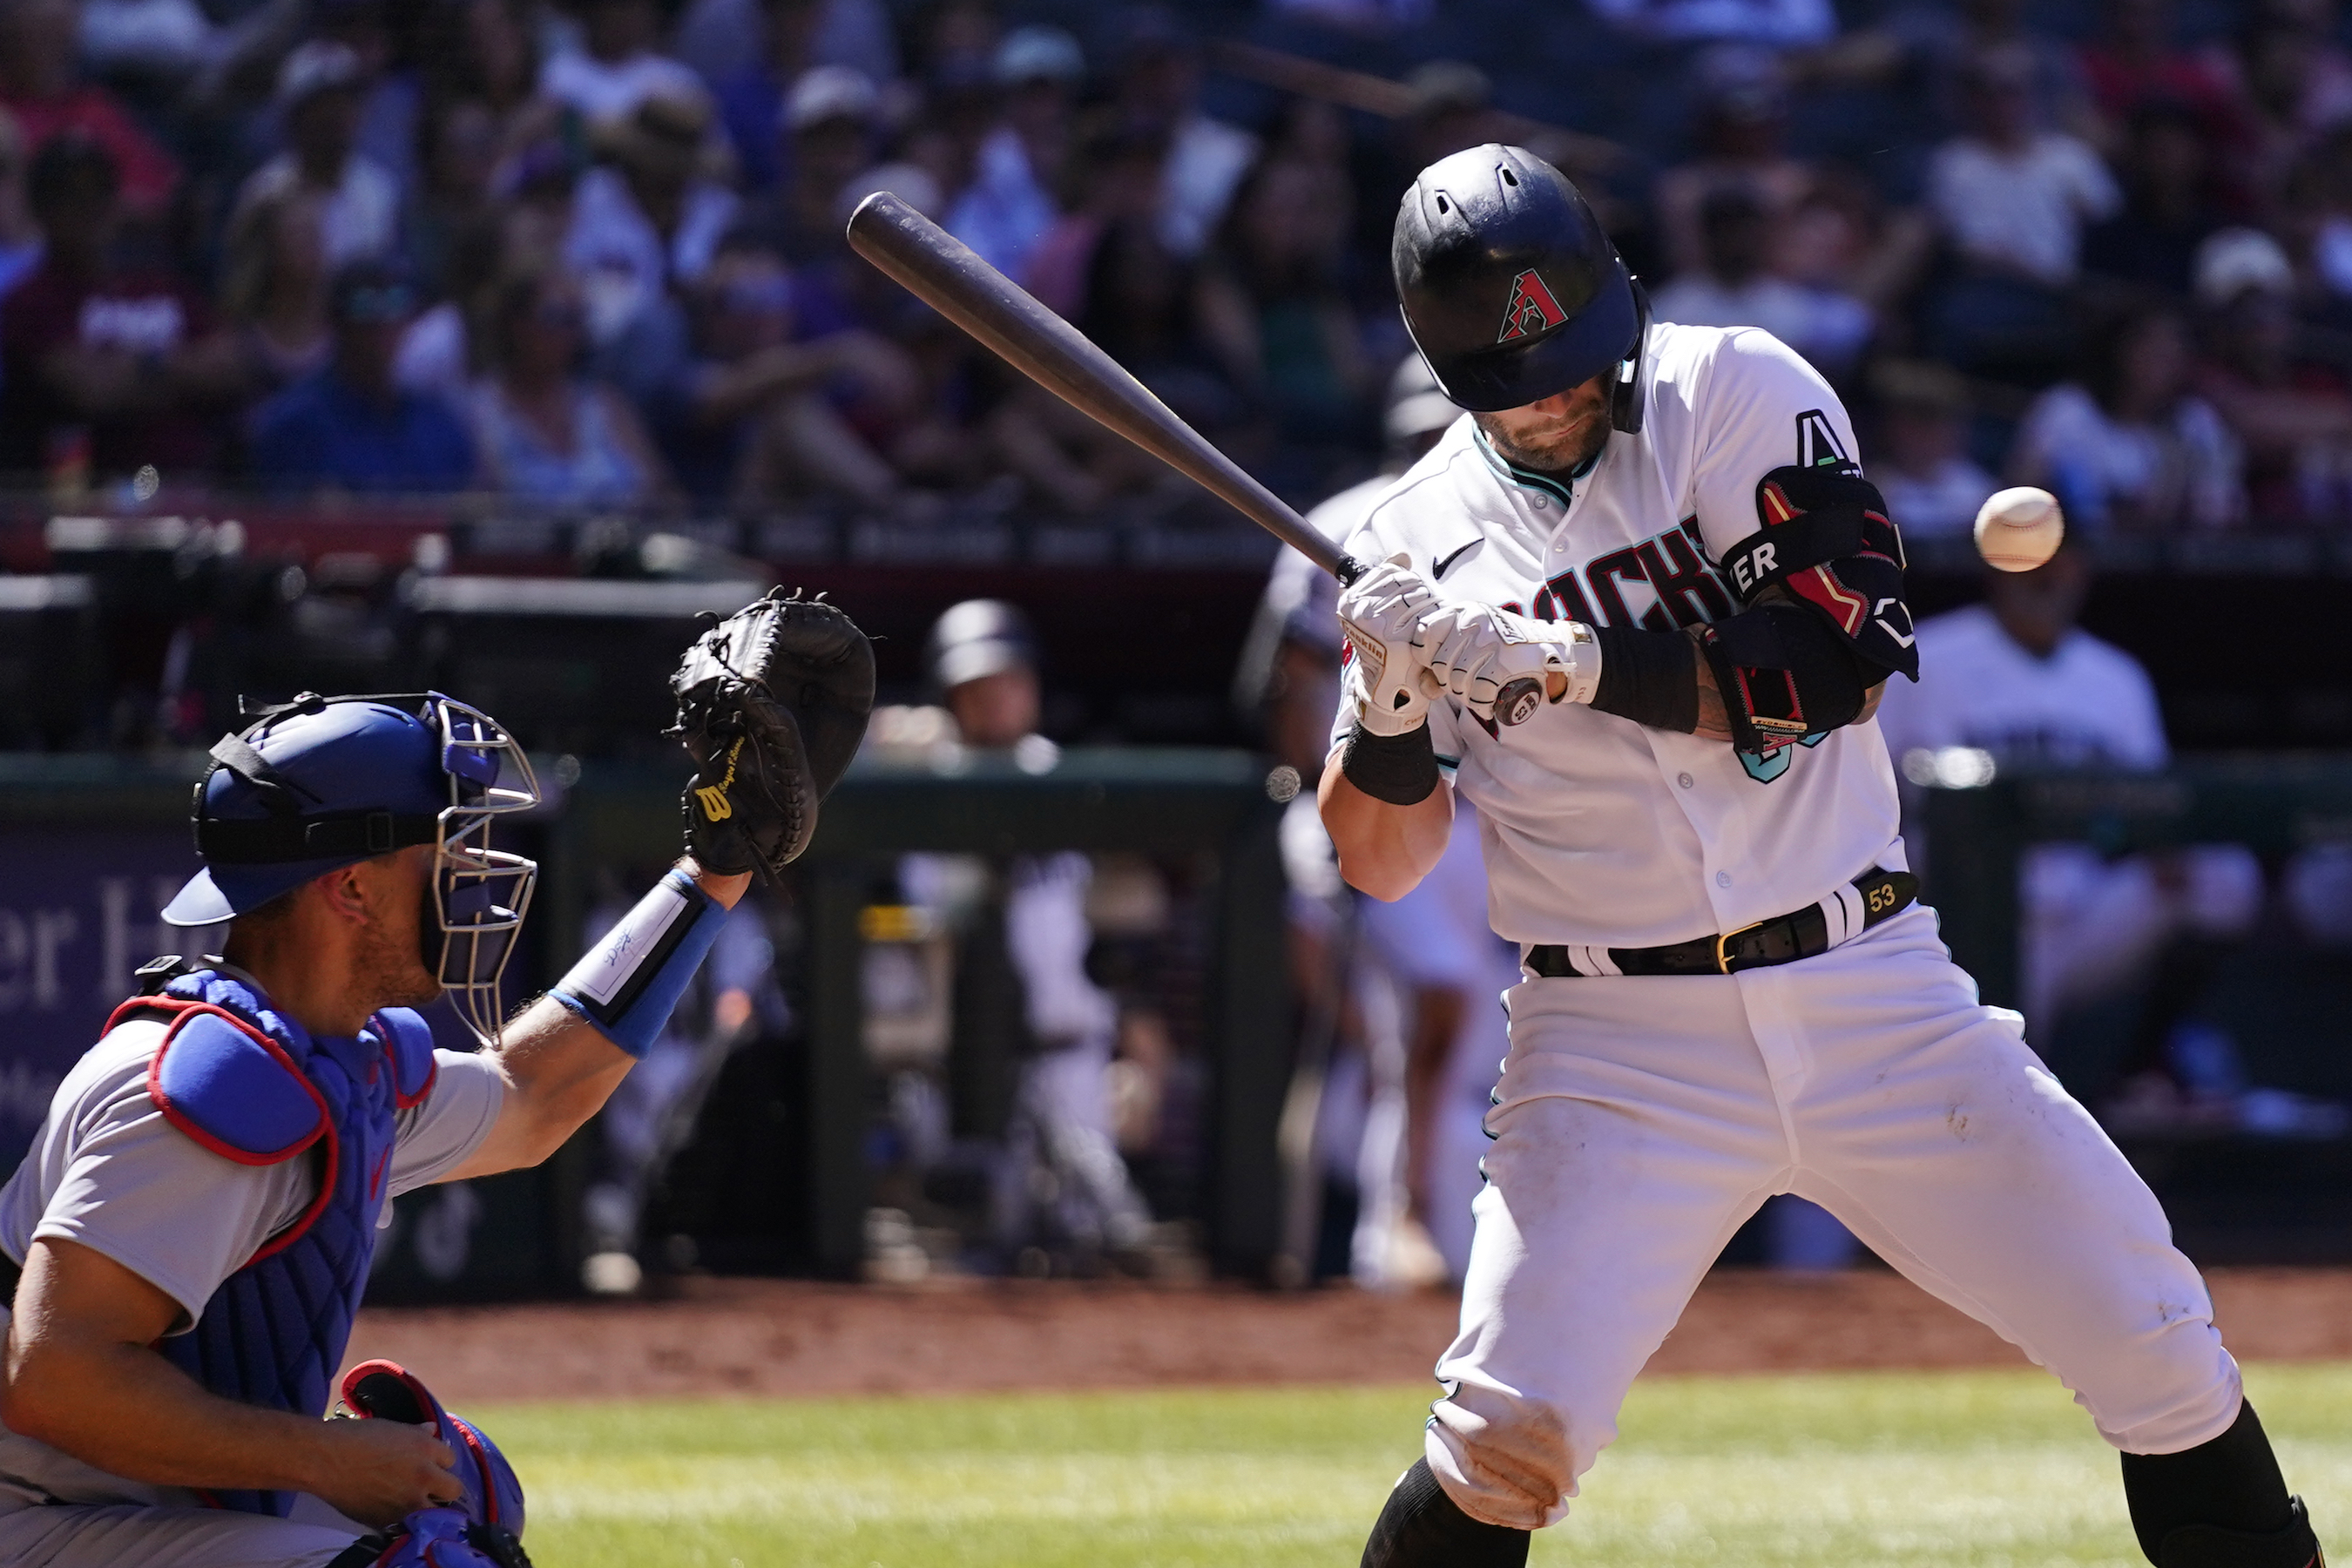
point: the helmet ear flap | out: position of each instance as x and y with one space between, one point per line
1625 399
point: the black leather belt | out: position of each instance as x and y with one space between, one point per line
1784 938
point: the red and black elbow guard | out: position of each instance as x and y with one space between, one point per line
1788 670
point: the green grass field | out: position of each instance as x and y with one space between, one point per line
1983 1469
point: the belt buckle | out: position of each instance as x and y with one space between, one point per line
1722 957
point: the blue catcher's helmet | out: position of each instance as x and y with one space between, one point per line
321 782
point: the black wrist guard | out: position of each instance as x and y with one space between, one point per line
1399 769
1651 678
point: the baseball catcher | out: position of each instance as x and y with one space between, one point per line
190 1235
1660 537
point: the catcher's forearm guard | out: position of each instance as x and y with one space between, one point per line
630 983
1786 670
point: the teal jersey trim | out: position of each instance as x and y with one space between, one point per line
1531 478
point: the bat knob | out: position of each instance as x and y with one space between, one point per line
1517 701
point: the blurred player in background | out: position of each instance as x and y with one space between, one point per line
735 999
2016 678
1399 1122
1057 1180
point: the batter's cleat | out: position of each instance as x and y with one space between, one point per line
2210 1546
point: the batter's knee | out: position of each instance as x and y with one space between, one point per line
1506 1458
2183 1392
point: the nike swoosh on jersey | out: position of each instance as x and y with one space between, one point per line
1439 570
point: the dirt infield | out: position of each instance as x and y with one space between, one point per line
786 1338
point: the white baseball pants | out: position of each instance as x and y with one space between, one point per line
1641 1120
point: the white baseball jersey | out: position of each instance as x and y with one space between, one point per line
1597 829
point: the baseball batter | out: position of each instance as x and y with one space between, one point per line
1637 610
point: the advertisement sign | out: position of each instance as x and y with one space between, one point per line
78 915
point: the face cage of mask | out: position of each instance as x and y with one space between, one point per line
480 895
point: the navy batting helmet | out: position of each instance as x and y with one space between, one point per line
977 637
1510 289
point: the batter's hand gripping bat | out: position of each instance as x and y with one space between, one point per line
940 271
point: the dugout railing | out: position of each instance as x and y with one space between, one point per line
2235 1194
112 611
1978 831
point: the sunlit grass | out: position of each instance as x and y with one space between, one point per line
1981 1468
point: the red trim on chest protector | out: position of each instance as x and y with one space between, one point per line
390 1040
323 1134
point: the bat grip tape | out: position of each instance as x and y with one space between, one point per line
630 981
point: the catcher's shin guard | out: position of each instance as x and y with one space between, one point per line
2221 1504
1421 1527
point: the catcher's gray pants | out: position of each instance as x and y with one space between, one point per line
136 1535
1641 1120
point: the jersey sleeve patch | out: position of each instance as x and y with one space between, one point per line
234 1090
408 1045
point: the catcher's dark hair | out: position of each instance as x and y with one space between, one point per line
269 916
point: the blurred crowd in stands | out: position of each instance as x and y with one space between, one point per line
590 253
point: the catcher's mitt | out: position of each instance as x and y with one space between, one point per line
772 704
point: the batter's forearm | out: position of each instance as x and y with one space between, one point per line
1384 849
1714 723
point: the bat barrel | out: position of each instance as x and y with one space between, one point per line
943 273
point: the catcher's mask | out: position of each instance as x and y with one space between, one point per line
321 782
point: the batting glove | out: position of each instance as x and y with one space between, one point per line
1381 611
1476 650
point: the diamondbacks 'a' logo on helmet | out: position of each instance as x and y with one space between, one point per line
1532 309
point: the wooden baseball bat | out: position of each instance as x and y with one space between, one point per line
941 271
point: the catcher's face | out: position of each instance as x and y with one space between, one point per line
1555 434
396 952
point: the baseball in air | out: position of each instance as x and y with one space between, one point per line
2018 529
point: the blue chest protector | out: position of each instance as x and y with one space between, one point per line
255 1086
